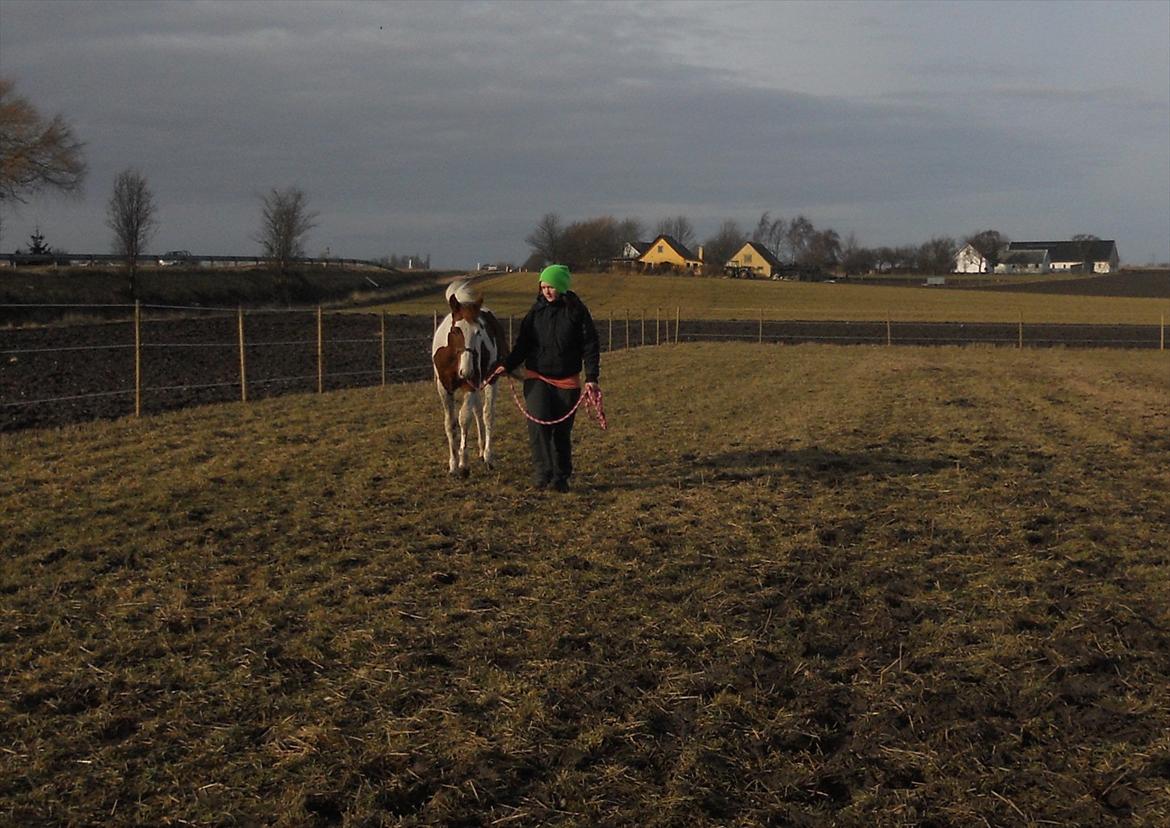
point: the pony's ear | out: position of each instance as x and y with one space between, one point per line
454 303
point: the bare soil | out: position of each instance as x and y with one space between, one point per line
1151 284
189 362
56 375
1154 284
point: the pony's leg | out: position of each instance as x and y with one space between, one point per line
489 421
448 401
464 427
477 411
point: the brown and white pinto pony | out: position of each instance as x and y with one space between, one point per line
468 343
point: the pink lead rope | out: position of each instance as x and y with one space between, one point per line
590 395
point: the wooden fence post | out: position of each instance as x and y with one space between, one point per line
382 327
1162 346
610 331
677 315
137 357
320 351
511 338
658 325
889 329
243 362
1020 337
761 339
643 314
627 329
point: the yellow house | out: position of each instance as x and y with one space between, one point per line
754 258
666 252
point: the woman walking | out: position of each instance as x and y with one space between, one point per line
557 339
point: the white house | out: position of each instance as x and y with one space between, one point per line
633 250
970 260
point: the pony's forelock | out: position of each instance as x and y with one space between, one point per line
465 292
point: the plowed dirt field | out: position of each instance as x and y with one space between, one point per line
63 374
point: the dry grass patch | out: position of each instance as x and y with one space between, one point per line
711 298
794 585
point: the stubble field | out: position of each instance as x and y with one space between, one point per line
794 585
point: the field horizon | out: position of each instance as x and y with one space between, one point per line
715 298
793 585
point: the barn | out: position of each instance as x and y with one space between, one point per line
1088 255
1024 261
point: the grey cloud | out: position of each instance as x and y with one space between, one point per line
417 126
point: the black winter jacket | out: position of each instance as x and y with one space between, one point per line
557 339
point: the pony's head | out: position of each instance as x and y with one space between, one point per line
467 335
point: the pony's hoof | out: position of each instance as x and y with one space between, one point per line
464 472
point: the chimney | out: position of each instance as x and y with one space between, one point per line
700 252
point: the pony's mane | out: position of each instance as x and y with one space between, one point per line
465 292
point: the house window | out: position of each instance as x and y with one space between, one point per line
659 248
747 258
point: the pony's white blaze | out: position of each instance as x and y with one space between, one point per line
466 345
471 344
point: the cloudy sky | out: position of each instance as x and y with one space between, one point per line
450 128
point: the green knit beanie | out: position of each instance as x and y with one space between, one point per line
556 275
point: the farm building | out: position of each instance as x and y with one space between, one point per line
1024 261
667 253
970 259
628 259
1091 255
755 260
633 250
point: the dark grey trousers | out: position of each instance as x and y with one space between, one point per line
552 446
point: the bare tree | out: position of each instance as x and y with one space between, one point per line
797 237
35 154
856 259
905 257
547 240
131 215
763 228
591 243
937 255
286 220
724 244
1084 248
822 250
770 233
631 230
990 243
680 228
